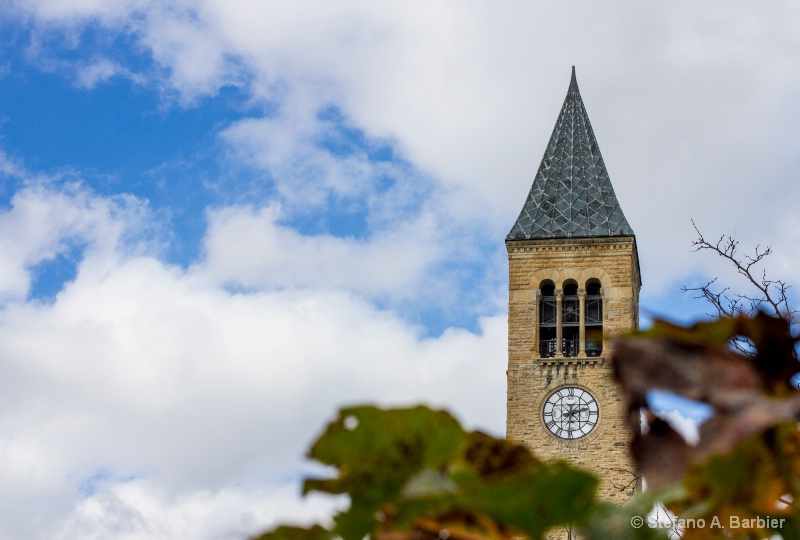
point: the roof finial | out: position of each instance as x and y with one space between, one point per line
573 83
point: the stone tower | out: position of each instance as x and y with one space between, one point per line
573 282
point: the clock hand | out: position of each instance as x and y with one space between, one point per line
576 411
571 415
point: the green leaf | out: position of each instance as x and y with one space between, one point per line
376 453
533 499
429 483
702 334
489 456
744 478
776 358
611 521
285 532
698 363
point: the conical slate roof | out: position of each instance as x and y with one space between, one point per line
571 195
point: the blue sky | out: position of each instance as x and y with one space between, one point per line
125 136
219 224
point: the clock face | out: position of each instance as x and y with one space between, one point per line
570 412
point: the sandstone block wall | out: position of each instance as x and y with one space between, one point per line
614 262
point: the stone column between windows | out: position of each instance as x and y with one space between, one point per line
536 348
582 323
559 332
604 319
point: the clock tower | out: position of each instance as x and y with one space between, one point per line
573 283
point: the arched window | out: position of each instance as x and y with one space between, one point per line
570 319
594 318
547 319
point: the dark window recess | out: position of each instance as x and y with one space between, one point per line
547 311
594 320
570 311
594 311
547 348
547 321
569 347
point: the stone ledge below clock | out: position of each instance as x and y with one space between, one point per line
572 360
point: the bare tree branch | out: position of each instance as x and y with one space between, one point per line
768 295
629 488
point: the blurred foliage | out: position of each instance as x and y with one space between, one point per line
415 474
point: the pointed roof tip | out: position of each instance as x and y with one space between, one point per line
573 82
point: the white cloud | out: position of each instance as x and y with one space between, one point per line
249 247
191 48
138 510
101 70
139 370
75 12
11 167
288 149
43 223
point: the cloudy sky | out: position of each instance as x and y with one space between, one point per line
219 221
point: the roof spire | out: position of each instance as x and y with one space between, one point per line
573 83
571 195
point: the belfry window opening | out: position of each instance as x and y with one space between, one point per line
594 319
547 320
570 320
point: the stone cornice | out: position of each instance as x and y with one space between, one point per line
571 361
625 243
